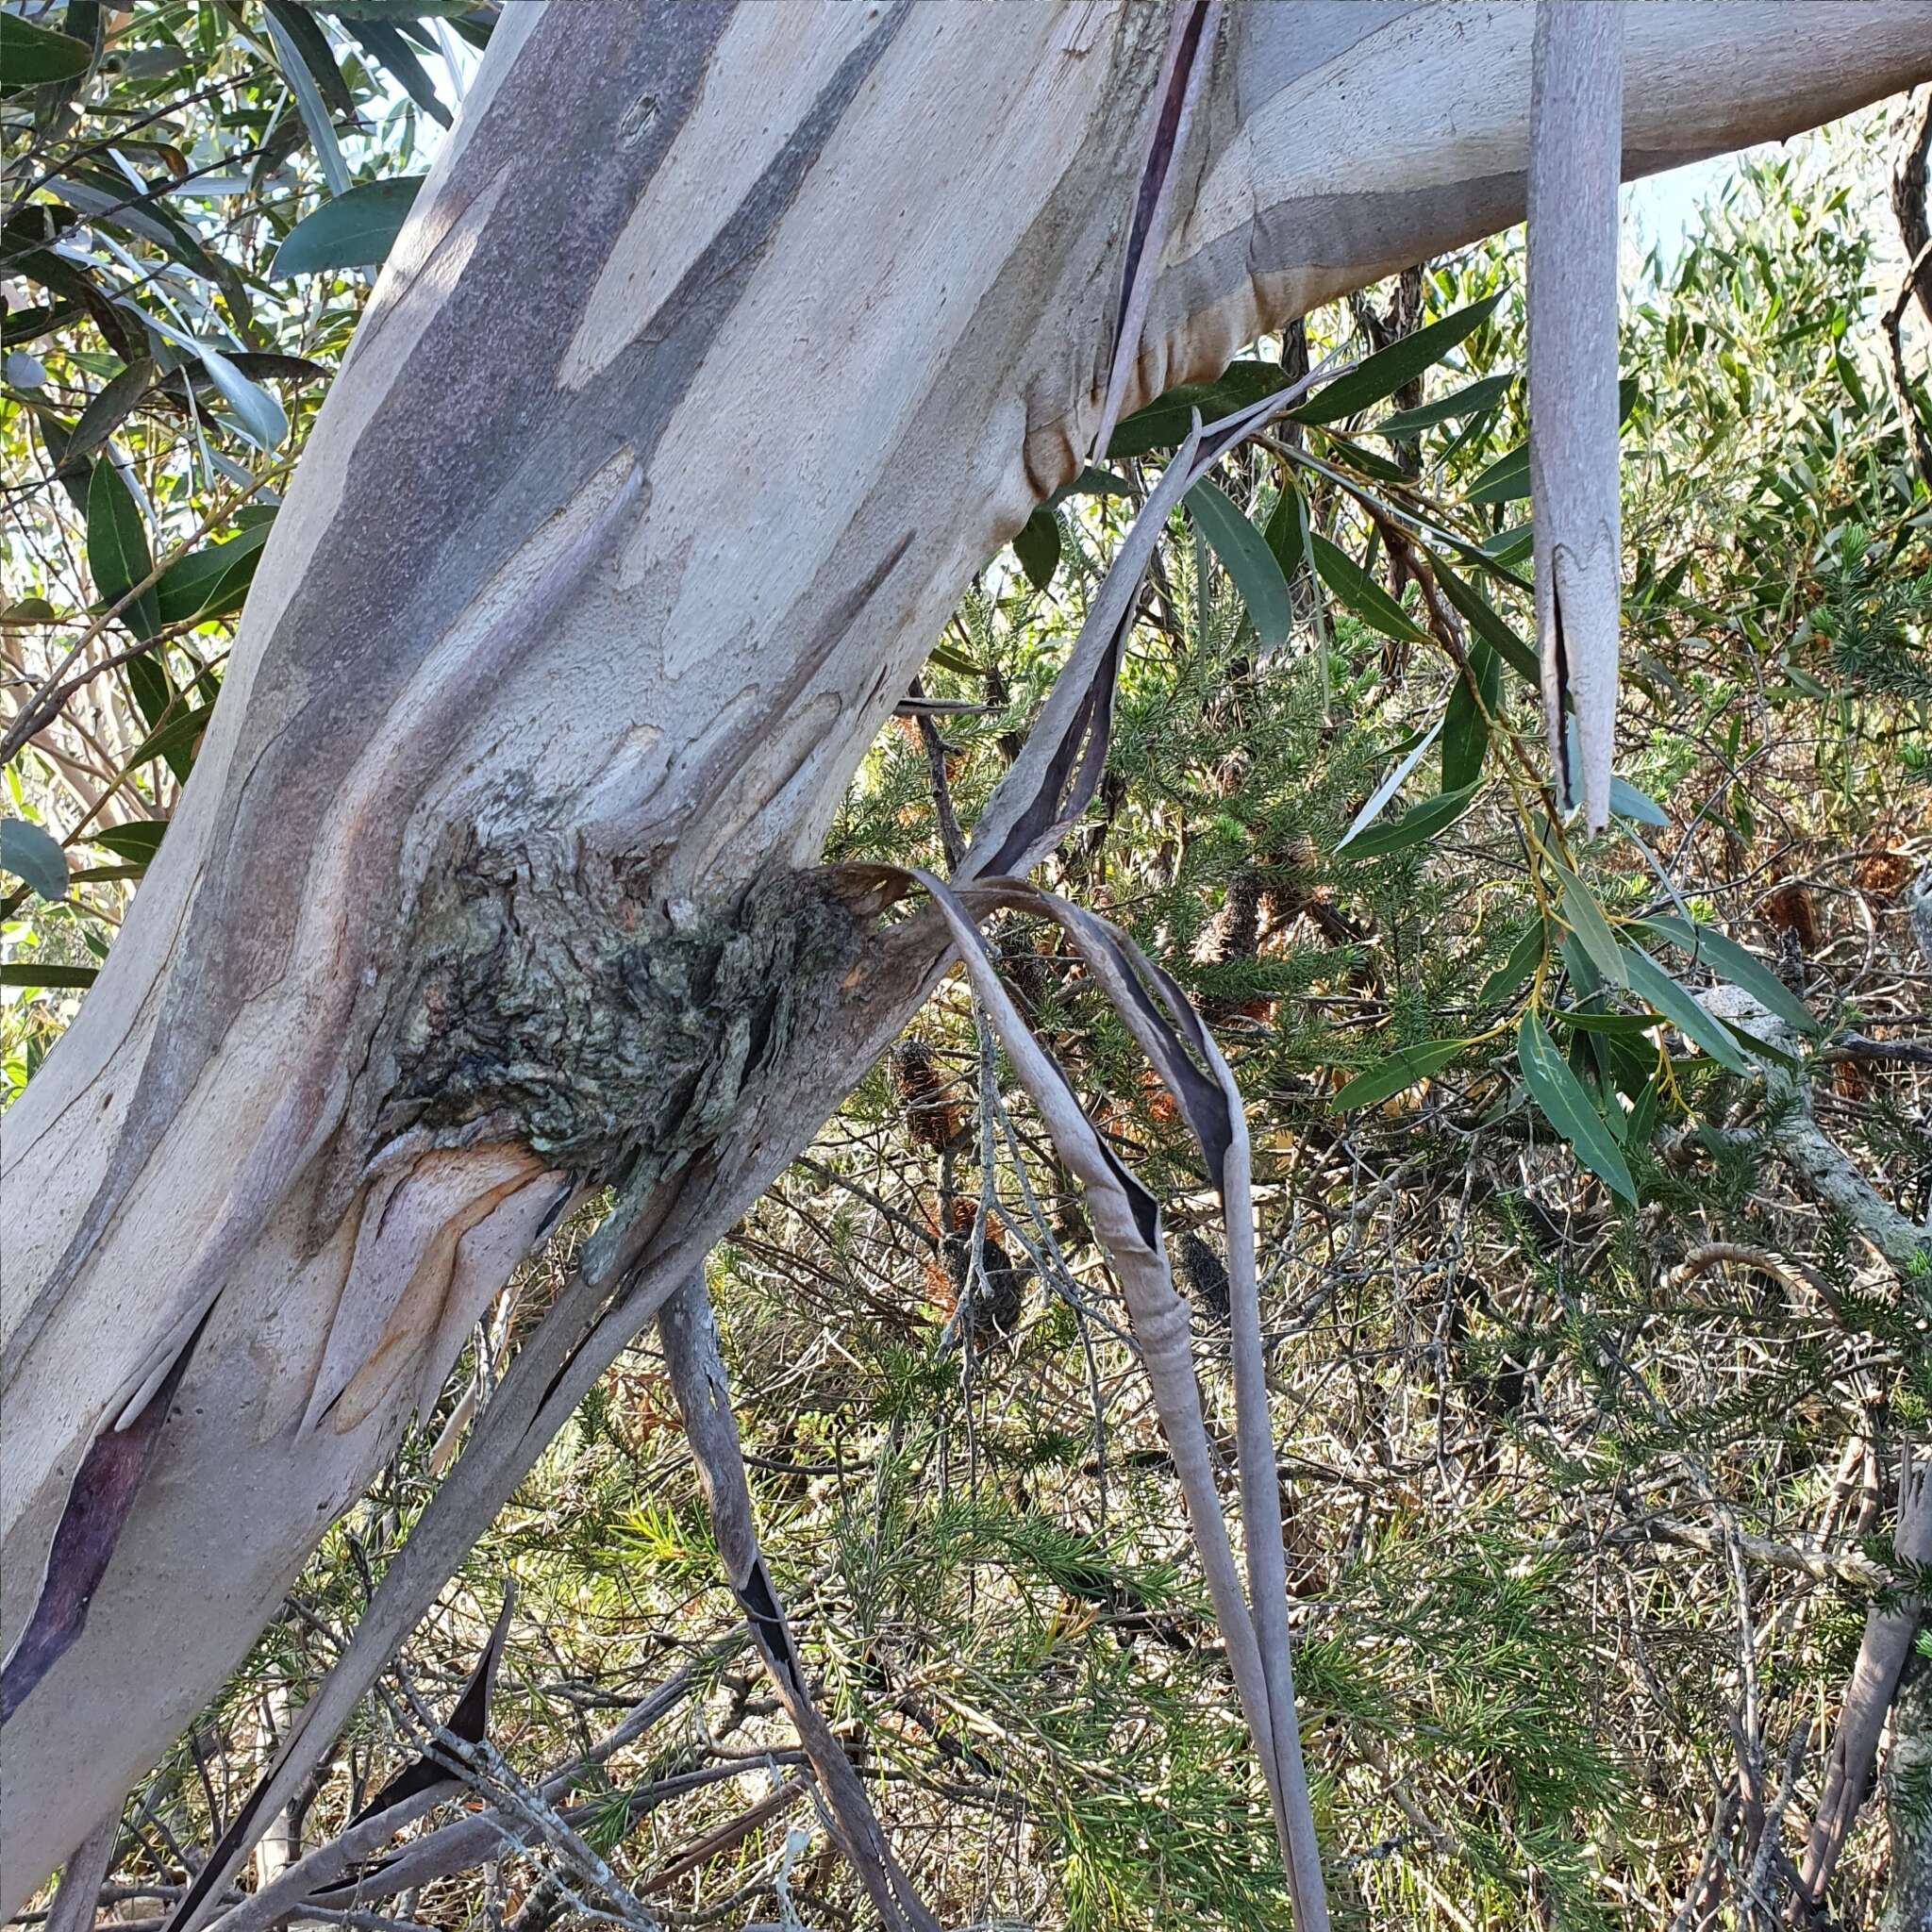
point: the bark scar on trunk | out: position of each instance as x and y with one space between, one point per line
553 992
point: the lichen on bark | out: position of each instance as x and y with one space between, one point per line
554 996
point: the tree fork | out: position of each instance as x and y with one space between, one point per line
676 424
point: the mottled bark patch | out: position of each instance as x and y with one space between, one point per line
554 993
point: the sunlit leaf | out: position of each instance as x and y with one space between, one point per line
355 231
1401 1070
1560 1098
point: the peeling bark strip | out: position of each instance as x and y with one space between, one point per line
690 1335
104 1490
1190 56
469 1722
1126 1219
924 209
1575 151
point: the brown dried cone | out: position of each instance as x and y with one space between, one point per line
1203 1276
1789 909
997 1304
1235 933
930 1117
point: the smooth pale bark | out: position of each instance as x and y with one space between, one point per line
723 346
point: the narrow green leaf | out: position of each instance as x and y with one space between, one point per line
107 409
26 972
263 419
1505 480
1585 919
1664 995
1466 721
32 854
1089 482
1560 1098
212 581
1419 823
1354 588
1037 547
294 61
1167 419
1246 558
950 659
1510 976
117 551
1628 802
1471 401
1401 1070
1288 530
32 56
355 231
175 739
137 841
381 42
1389 786
1730 962
1482 617
1385 372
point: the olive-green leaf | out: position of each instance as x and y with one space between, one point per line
31 853
1417 824
1401 1070
137 841
1559 1097
1471 401
1730 962
212 581
117 551
1483 618
1385 372
1477 698
1037 547
107 409
354 230
28 973
1165 421
1664 995
1354 588
31 56
1245 555
1505 480
1585 919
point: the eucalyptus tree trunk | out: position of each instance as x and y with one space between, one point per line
724 345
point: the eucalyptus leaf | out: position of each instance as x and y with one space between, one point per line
1355 589
117 548
356 230
1470 401
1664 995
33 854
1389 787
1037 547
1560 1098
1419 823
1731 962
32 56
1245 555
1384 372
1401 1070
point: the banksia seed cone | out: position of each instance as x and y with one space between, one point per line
1203 1276
929 1117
